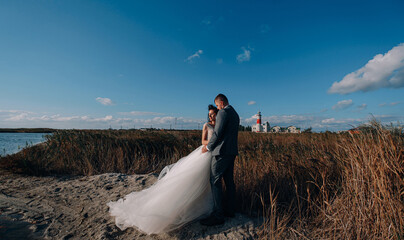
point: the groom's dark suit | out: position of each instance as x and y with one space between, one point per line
224 148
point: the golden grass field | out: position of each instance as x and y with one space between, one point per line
314 185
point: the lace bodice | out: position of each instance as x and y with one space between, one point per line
210 130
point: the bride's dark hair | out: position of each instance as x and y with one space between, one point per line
211 107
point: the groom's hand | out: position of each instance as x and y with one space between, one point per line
204 149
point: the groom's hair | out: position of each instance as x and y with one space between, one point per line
222 97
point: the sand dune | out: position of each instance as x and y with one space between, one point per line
75 208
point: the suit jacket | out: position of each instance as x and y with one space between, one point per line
224 137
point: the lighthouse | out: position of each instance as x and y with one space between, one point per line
259 118
259 127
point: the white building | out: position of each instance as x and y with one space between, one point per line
259 127
276 129
293 129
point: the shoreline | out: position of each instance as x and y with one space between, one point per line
4 153
27 130
74 207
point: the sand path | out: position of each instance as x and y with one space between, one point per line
75 208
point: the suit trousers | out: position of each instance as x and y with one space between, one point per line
222 167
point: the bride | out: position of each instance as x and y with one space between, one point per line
181 194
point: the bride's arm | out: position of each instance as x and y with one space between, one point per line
205 135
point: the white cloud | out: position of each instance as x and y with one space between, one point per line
10 111
347 123
19 117
283 119
332 121
103 119
104 101
302 121
197 54
219 60
387 119
139 113
320 123
163 120
16 119
362 106
57 118
245 56
389 104
383 71
344 104
32 117
169 122
14 115
251 103
255 116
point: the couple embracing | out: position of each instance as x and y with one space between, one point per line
191 188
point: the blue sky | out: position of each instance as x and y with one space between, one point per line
95 64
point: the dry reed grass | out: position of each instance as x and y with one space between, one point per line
371 202
90 152
305 186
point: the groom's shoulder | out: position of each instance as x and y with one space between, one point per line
233 113
231 109
222 112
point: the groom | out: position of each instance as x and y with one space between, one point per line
223 145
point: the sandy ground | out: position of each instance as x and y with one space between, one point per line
75 208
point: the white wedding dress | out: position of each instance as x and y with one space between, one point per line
181 194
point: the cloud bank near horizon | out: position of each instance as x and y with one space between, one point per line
27 119
321 123
17 119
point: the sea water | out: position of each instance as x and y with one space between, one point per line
13 142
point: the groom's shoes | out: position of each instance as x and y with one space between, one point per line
212 221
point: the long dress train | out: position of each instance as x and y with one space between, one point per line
181 194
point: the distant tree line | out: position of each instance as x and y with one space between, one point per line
27 130
244 128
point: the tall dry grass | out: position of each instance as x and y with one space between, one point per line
370 204
283 176
305 186
89 152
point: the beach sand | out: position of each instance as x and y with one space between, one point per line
75 208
